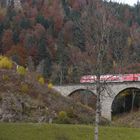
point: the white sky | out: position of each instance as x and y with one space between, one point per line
130 2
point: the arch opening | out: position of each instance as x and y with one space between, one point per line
126 101
85 97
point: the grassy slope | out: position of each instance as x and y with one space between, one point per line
64 132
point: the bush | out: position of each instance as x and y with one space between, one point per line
21 70
5 77
62 115
50 85
62 118
41 80
70 113
24 88
5 63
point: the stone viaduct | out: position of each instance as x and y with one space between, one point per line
111 90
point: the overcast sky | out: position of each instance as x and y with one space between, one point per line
130 2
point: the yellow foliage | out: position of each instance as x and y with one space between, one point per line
5 63
24 88
129 41
38 76
50 85
62 115
21 70
5 77
41 80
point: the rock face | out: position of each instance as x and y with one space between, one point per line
22 100
14 108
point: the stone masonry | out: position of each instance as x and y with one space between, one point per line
108 95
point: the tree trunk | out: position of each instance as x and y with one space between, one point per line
133 99
61 77
97 115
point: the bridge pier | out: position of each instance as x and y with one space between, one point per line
106 111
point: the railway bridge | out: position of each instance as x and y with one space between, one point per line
111 90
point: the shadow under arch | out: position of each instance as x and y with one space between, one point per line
84 96
126 100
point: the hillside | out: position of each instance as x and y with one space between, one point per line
22 100
128 119
59 38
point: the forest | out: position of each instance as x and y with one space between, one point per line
60 38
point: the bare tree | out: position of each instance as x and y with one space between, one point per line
98 24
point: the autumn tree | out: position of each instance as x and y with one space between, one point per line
7 40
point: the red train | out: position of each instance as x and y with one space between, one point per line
110 78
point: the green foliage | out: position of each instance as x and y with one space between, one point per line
15 37
5 63
21 70
75 15
47 67
78 38
25 23
40 19
66 7
42 49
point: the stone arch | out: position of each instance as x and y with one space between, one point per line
120 91
68 90
84 96
116 88
81 89
127 87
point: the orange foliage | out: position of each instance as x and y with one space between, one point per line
20 51
7 40
54 11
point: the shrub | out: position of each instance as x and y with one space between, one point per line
70 113
5 62
24 88
62 115
50 85
38 76
5 77
41 80
21 70
62 118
